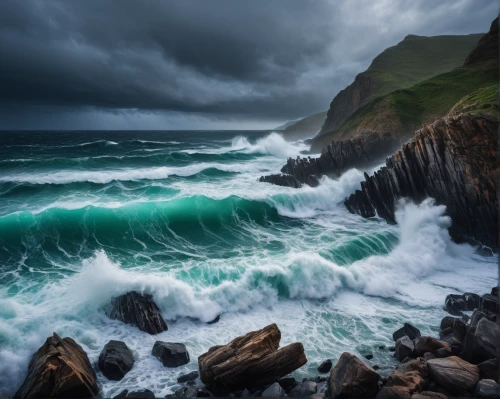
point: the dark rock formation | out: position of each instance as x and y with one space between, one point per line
60 368
490 303
453 161
351 378
419 365
171 354
336 158
193 375
408 330
482 342
455 304
274 391
452 327
305 388
429 395
404 348
325 367
454 374
139 310
115 360
287 382
252 360
487 389
486 48
490 370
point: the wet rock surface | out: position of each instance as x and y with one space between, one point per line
115 360
453 161
171 354
139 310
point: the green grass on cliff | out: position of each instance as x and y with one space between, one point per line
482 101
418 58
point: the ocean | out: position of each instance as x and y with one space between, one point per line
86 216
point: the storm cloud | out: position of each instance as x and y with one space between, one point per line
162 64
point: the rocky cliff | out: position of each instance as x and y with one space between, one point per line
336 158
485 47
453 161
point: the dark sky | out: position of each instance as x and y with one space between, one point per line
213 64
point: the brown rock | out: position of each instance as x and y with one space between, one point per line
251 360
351 378
402 385
428 344
429 395
60 368
419 365
454 374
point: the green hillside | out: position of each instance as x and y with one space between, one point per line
482 101
411 61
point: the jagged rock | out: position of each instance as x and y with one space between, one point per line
335 159
287 382
305 388
428 356
251 360
454 374
171 354
351 378
452 161
490 370
60 368
487 389
115 360
402 386
142 394
453 326
486 47
326 366
138 310
193 375
495 291
428 344
481 342
408 330
274 390
404 348
491 303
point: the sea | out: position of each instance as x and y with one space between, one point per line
89 215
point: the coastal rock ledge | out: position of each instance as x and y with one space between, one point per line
453 161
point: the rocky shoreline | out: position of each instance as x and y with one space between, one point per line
336 158
453 161
462 361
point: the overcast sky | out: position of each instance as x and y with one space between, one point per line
213 64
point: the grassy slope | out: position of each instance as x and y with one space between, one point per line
411 61
482 101
423 102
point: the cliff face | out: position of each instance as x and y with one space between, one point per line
453 161
336 158
485 47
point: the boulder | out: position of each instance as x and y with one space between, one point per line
453 326
446 352
60 368
428 344
419 365
402 386
274 390
408 330
487 389
481 343
472 301
287 382
495 291
404 348
193 375
115 360
491 303
141 394
490 370
139 310
454 374
428 356
252 360
171 354
325 367
351 378
305 388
